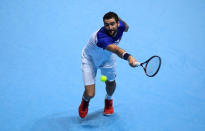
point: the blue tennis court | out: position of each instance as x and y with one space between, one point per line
41 83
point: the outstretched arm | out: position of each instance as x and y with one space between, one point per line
122 54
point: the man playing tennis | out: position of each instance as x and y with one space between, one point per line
100 53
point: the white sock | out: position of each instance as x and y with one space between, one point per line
108 97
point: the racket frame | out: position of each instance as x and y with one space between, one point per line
146 63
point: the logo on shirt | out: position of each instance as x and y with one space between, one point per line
117 42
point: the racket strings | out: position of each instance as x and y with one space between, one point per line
152 66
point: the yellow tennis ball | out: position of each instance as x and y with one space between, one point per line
103 78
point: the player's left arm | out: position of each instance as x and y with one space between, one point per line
126 25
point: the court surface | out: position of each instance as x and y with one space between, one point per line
40 66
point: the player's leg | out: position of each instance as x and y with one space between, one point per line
109 71
110 87
89 73
89 92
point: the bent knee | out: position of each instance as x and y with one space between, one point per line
111 83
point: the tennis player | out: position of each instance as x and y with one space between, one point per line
100 53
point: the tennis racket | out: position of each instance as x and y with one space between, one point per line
151 66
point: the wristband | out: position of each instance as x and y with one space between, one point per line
125 55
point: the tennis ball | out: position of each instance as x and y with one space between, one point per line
103 78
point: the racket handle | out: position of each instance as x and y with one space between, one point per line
138 63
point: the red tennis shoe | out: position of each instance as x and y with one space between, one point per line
83 108
108 110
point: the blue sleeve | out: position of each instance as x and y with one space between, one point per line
104 42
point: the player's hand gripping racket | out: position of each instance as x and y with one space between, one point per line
151 66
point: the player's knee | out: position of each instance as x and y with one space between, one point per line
111 84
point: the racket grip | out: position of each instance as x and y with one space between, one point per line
138 63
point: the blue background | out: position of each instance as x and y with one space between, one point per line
40 65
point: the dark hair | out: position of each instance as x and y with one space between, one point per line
110 15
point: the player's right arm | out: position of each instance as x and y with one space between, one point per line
121 53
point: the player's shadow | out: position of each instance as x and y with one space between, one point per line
64 122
